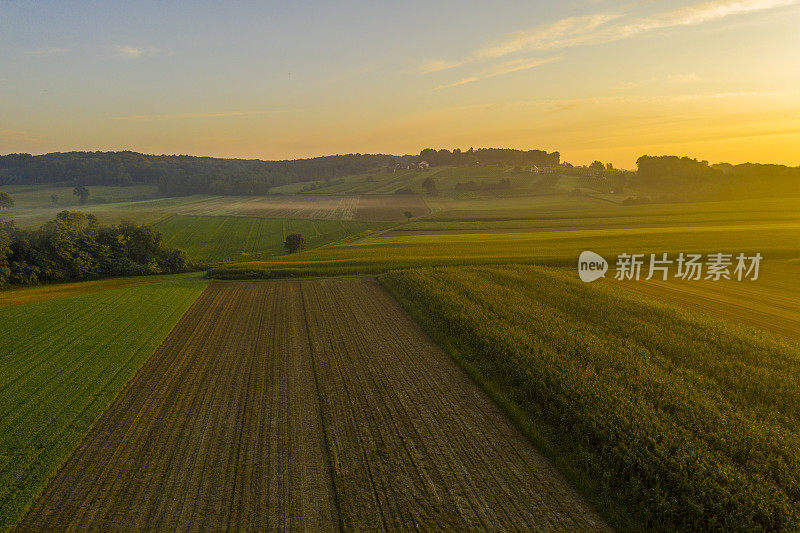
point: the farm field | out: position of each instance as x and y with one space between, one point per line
315 405
360 424
33 205
33 209
61 290
561 211
666 419
775 241
770 304
65 356
446 178
32 196
340 207
234 238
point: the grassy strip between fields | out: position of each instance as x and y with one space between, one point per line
665 419
62 363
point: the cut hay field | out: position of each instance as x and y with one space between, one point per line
65 356
316 406
668 420
237 238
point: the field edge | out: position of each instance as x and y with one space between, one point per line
16 517
498 390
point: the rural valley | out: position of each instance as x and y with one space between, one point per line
430 358
441 266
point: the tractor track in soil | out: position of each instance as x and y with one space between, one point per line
305 405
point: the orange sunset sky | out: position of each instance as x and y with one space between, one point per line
609 80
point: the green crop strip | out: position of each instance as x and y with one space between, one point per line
62 363
665 419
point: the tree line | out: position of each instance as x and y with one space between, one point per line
689 177
490 156
181 174
75 247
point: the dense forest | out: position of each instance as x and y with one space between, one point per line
74 247
692 178
177 175
181 174
676 178
490 156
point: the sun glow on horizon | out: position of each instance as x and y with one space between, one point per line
717 80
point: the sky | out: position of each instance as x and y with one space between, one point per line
594 79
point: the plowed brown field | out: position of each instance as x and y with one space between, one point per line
305 405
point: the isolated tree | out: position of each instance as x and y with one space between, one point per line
409 215
82 193
430 186
6 200
54 199
295 242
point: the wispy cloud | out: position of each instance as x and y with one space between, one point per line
47 51
506 67
213 114
560 34
462 81
436 65
604 28
7 135
693 15
134 52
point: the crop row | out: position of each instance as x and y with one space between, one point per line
667 420
62 362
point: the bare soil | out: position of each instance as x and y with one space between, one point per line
305 405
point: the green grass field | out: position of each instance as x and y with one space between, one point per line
562 211
446 178
30 196
776 241
62 363
699 414
667 420
214 239
560 228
